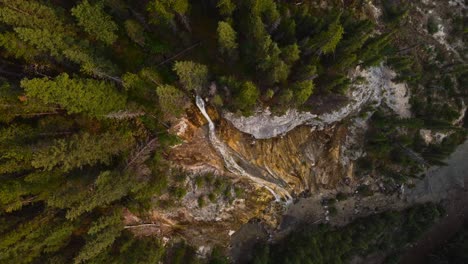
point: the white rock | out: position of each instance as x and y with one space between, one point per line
264 125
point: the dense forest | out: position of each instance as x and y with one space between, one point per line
455 250
89 88
388 232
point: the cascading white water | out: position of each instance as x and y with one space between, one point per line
232 165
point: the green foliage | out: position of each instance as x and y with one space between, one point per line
269 62
394 11
178 192
333 211
42 39
95 21
135 31
217 100
192 76
84 134
247 97
286 96
227 39
432 26
341 196
93 97
17 48
81 150
31 14
109 186
96 243
390 231
90 64
171 99
31 238
226 7
302 91
136 250
290 54
163 11
326 41
201 201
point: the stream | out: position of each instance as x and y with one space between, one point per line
233 166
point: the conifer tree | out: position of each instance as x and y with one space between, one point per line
226 7
43 39
135 31
95 21
91 64
227 39
302 91
98 242
163 11
77 95
290 54
17 48
30 14
193 76
326 41
44 233
14 104
247 97
81 150
171 99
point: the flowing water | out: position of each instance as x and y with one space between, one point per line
233 166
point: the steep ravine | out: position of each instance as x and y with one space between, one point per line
276 186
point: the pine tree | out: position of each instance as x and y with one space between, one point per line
269 62
247 97
227 39
44 40
302 91
171 100
30 14
93 97
42 234
14 104
98 242
17 48
290 54
326 41
91 64
193 76
226 7
81 150
95 21
372 51
135 32
163 11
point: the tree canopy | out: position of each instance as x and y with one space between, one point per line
76 95
95 95
95 21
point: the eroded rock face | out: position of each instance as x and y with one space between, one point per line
196 152
207 225
305 159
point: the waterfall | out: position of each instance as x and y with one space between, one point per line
230 162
